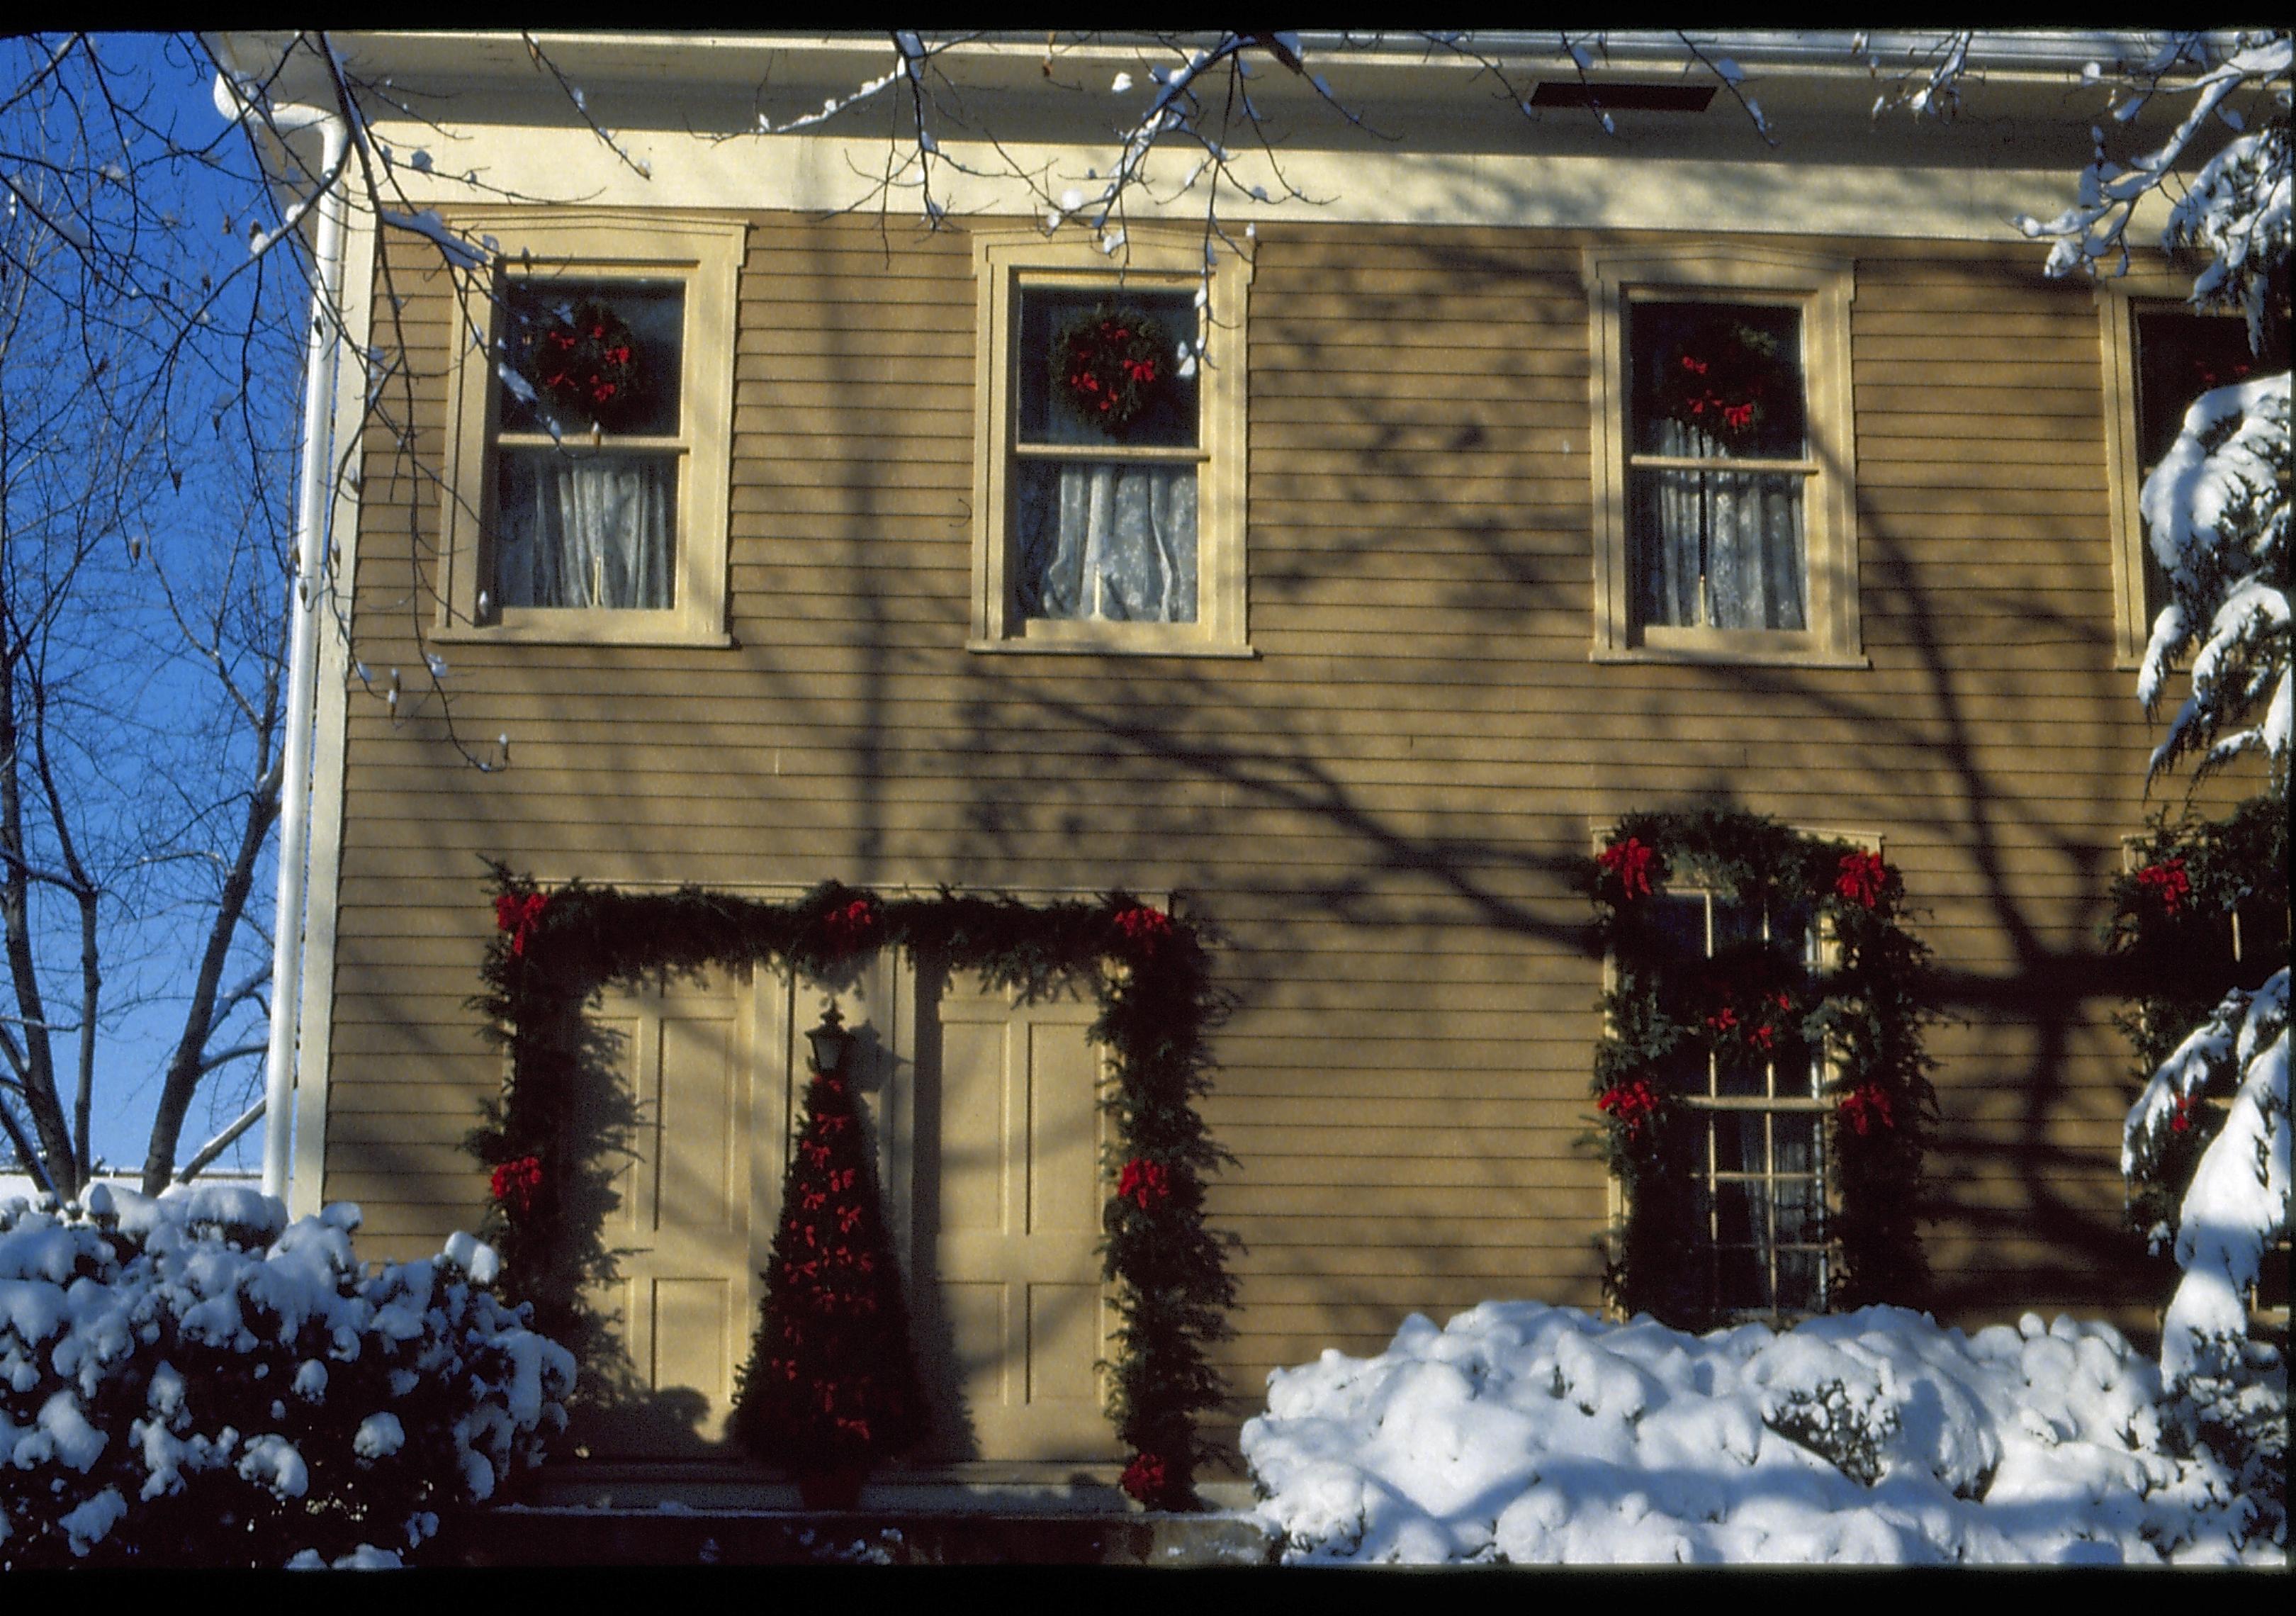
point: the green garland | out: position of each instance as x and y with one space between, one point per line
553 1147
2171 932
1865 1013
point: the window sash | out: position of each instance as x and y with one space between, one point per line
652 579
1791 1276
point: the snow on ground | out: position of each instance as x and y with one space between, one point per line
1529 1433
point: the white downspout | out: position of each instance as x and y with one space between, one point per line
320 356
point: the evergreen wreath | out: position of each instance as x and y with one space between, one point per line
830 1386
2171 931
1724 382
551 1159
1113 363
585 360
1865 1013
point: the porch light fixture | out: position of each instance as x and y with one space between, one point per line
831 1043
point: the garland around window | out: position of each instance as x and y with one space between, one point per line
2196 885
551 1170
1863 1011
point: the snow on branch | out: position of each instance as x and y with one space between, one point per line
2092 230
2216 513
2238 1203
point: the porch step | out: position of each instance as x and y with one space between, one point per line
545 1535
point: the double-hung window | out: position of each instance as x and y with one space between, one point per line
1758 1162
1724 513
586 489
1110 488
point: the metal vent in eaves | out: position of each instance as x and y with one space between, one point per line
1624 95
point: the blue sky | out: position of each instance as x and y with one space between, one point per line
161 180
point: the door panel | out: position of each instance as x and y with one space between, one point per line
682 1058
1008 1122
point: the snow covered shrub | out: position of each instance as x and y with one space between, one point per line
190 1381
1529 1433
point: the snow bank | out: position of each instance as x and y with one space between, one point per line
1528 1433
192 1380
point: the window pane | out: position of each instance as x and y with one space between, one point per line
1801 1281
584 529
1716 381
1738 1143
1103 366
1112 541
1719 549
595 352
1799 1217
1676 923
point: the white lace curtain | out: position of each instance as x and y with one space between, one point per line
590 530
1117 542
1720 549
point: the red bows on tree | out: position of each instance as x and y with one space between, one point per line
831 1386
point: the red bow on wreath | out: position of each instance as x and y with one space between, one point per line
1633 1103
1863 879
1146 1184
514 1184
519 916
2181 1120
1866 1107
1629 863
1143 927
851 929
1144 1479
2166 882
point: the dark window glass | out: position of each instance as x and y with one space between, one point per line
618 373
1055 405
1716 379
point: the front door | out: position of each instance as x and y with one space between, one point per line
683 1057
1011 1317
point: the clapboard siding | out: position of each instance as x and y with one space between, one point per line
1380 811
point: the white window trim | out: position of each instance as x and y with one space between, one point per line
704 251
1821 288
1002 262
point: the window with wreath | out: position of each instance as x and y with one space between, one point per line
1112 478
1723 455
1760 1080
586 496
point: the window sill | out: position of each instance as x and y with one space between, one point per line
1730 656
652 631
1097 647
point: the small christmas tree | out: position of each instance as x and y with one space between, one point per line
829 1387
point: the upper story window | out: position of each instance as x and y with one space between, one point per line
1724 461
2160 356
1110 422
586 491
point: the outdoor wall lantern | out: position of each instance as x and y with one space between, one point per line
831 1043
